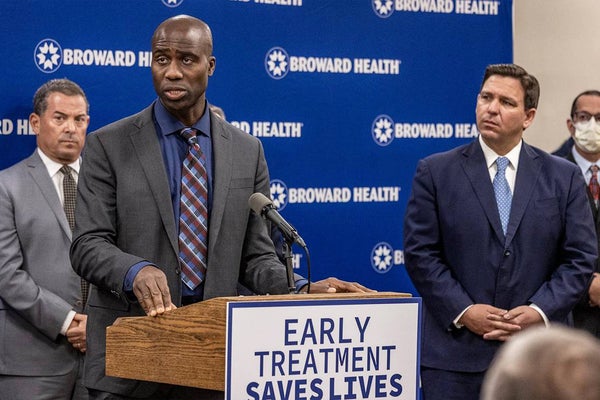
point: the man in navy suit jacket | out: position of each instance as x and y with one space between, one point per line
583 125
479 284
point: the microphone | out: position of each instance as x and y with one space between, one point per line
264 207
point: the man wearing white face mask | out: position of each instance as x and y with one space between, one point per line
584 126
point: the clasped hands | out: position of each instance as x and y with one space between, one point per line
76 332
152 291
494 323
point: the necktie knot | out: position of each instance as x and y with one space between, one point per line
594 169
189 135
65 170
502 163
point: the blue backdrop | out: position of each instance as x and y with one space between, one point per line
346 96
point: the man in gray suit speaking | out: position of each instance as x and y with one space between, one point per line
162 215
42 327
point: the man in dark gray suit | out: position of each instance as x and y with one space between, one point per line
42 327
127 219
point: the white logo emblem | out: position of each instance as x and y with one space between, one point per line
279 194
172 3
383 130
277 63
48 56
382 257
383 8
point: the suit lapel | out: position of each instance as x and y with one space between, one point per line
593 207
527 175
147 149
475 167
595 212
39 174
223 164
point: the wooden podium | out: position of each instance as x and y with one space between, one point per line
186 343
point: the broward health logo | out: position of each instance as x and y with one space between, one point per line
382 257
47 56
276 63
279 194
382 130
383 8
172 3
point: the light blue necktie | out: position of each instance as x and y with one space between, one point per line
502 191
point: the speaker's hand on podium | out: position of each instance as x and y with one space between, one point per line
335 285
152 292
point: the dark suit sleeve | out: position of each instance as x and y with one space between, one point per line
94 252
570 280
261 269
423 248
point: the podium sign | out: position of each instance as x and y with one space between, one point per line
364 348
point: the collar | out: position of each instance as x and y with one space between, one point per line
491 156
53 167
168 124
582 162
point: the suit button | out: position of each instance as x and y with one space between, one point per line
507 253
178 270
79 303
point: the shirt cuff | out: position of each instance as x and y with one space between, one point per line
539 310
300 283
67 323
131 274
458 324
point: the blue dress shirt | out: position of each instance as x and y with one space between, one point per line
174 150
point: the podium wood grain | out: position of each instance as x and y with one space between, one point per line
186 346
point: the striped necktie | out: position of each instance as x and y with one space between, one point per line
593 185
193 213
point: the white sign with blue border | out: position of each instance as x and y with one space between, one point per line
364 348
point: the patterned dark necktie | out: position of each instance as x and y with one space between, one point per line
502 191
70 192
193 213
594 187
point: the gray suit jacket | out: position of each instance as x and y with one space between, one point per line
38 287
124 215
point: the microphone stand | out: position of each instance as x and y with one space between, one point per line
287 254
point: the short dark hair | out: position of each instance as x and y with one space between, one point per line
586 93
64 86
530 84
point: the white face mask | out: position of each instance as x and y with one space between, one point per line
587 135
